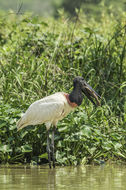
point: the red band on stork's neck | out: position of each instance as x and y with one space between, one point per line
72 104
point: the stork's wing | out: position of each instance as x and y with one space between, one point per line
41 112
47 111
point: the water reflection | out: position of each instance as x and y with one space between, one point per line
109 177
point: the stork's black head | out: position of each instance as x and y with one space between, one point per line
86 89
78 81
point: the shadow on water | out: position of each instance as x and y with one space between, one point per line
108 177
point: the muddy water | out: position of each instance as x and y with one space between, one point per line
108 177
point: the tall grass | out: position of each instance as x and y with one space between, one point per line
42 56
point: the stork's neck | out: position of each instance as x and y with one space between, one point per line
76 95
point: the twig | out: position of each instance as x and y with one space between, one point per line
76 20
19 9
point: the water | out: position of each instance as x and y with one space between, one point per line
108 177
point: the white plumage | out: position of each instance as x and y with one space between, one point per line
47 110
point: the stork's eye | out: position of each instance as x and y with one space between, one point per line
82 80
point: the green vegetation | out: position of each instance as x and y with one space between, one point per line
39 57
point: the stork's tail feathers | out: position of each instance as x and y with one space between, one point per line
21 124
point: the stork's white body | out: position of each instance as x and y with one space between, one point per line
48 110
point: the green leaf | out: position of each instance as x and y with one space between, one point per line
5 148
86 131
45 155
63 129
88 30
83 161
117 145
26 148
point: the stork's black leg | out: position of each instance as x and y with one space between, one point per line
52 147
48 149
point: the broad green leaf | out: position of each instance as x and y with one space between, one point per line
26 148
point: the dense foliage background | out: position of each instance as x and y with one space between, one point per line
39 57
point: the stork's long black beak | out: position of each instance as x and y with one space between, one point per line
90 93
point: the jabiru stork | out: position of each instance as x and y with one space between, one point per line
51 109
